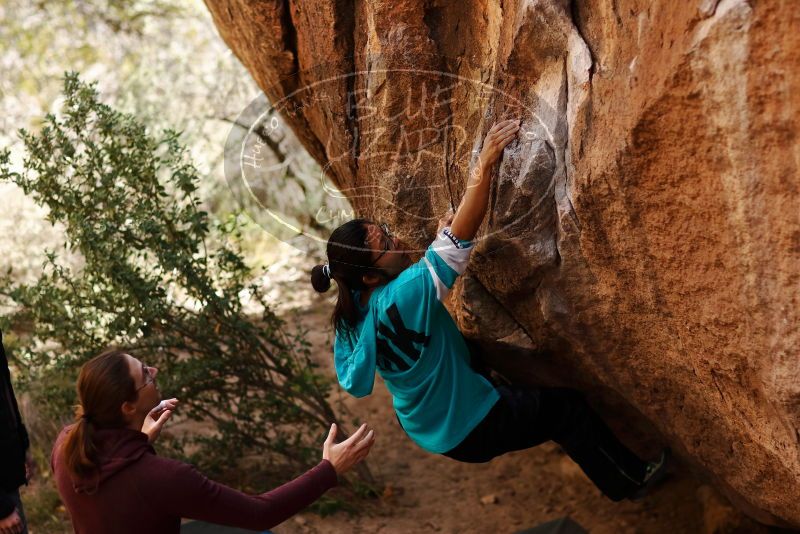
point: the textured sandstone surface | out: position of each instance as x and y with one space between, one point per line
643 241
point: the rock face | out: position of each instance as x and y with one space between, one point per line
644 230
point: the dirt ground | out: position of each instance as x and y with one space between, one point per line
430 493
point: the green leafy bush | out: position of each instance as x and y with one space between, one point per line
157 276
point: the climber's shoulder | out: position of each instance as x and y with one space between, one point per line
408 287
407 281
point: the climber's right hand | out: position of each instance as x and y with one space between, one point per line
500 135
446 220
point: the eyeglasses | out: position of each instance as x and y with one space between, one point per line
148 377
387 244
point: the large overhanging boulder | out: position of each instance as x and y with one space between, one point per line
643 240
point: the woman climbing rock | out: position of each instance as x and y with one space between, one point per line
389 317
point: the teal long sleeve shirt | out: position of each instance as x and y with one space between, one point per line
408 336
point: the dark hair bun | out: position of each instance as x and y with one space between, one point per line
320 282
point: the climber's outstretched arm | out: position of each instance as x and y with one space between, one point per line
472 209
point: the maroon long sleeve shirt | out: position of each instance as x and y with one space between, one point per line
137 491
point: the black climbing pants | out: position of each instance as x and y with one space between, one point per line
526 417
